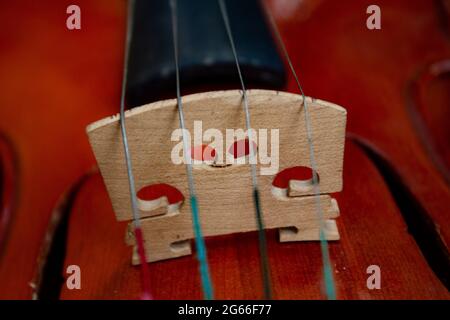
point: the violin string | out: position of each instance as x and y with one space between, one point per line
145 273
199 240
256 199
328 274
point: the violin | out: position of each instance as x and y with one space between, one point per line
381 163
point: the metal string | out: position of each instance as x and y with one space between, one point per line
199 240
259 217
328 274
134 208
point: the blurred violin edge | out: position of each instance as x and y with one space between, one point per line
56 209
8 189
427 104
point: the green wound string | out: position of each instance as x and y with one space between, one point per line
199 240
330 288
259 217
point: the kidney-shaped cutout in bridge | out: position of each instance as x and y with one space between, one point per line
158 199
293 181
203 152
241 148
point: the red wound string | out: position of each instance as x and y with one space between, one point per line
145 272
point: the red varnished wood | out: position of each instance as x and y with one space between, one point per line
368 73
54 82
8 189
429 95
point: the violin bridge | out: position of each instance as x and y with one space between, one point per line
224 189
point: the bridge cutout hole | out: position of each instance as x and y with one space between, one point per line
299 178
203 152
159 199
241 148
180 246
